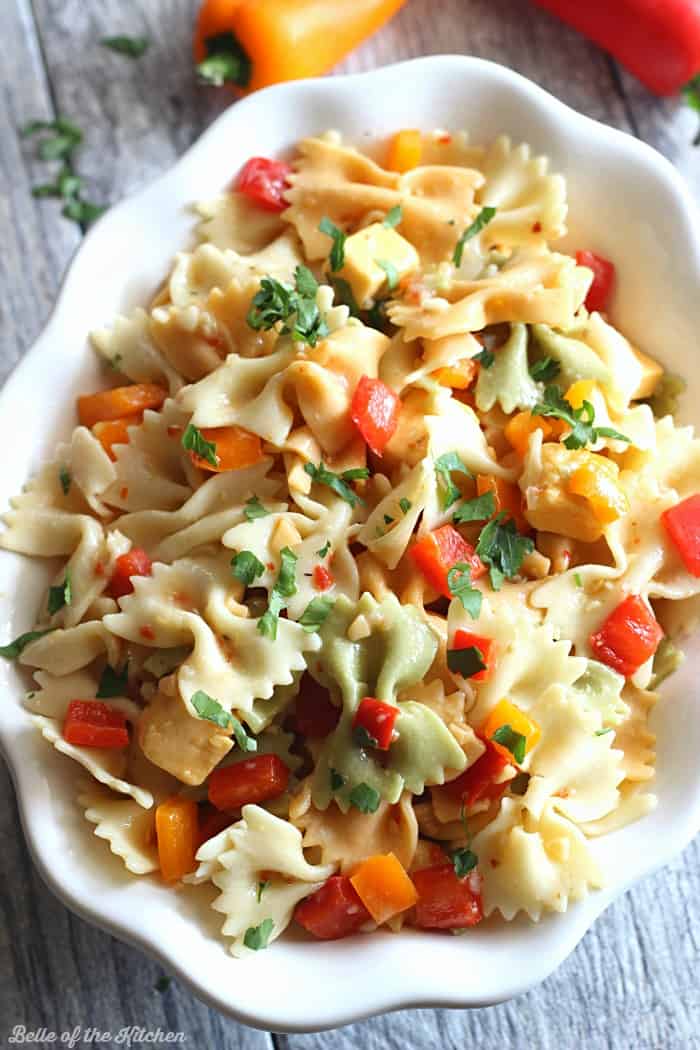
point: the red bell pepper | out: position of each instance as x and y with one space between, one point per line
253 780
682 523
264 181
375 412
446 902
212 821
377 719
333 911
316 715
603 279
90 723
629 636
439 551
134 563
467 640
479 780
658 42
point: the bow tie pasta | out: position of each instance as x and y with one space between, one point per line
369 560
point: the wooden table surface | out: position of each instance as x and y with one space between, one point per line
633 981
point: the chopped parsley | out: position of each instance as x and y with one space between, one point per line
59 595
131 46
14 649
337 780
254 509
315 613
194 441
324 549
445 465
485 358
361 737
163 983
604 732
257 937
577 579
285 586
393 217
459 585
65 479
246 567
336 259
365 798
481 508
466 662
392 274
513 741
691 97
227 62
502 548
113 682
61 145
338 483
344 294
211 710
544 370
581 420
483 219
294 308
262 886
405 505
464 860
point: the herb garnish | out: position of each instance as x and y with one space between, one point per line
691 97
361 737
405 505
483 219
324 549
485 358
254 509
257 937
581 420
338 483
193 440
61 145
285 586
337 780
295 308
262 886
392 274
315 613
246 567
163 983
227 62
467 662
393 217
459 585
65 479
211 710
365 798
14 649
481 508
513 741
544 370
131 46
336 259
502 548
464 860
59 595
113 682
444 466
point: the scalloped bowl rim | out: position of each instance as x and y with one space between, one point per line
362 976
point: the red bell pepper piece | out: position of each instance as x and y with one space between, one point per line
603 279
446 902
134 563
90 723
212 821
629 636
322 578
377 719
439 551
467 640
264 181
658 42
479 780
375 412
316 715
333 911
682 523
254 780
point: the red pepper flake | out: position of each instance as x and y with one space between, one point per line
537 227
271 566
99 569
322 578
215 340
445 139
123 492
147 632
174 431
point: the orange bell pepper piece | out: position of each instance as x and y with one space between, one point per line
580 391
235 448
177 833
507 716
383 887
596 480
284 39
508 498
119 402
111 432
520 426
459 376
405 150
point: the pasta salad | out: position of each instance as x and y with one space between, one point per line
372 551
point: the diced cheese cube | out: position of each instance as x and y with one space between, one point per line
549 507
651 374
366 250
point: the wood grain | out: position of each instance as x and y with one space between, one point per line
633 980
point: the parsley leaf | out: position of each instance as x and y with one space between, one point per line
315 613
392 274
132 46
337 780
405 505
344 294
515 742
113 682
545 369
13 649
65 478
481 508
305 282
254 509
502 548
485 358
336 258
295 308
604 732
210 709
324 549
365 798
581 420
285 586
163 983
227 62
444 466
483 219
361 737
464 861
393 217
577 579
257 937
467 662
60 595
262 886
459 585
194 441
246 567
337 482
61 145
691 97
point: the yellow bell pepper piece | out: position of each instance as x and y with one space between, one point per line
519 428
405 150
508 715
459 376
595 479
580 391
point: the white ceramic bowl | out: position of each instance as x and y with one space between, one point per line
626 202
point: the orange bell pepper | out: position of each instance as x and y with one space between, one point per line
111 432
459 376
119 402
383 887
437 552
507 716
580 391
507 496
520 426
266 43
596 481
235 448
405 150
177 833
